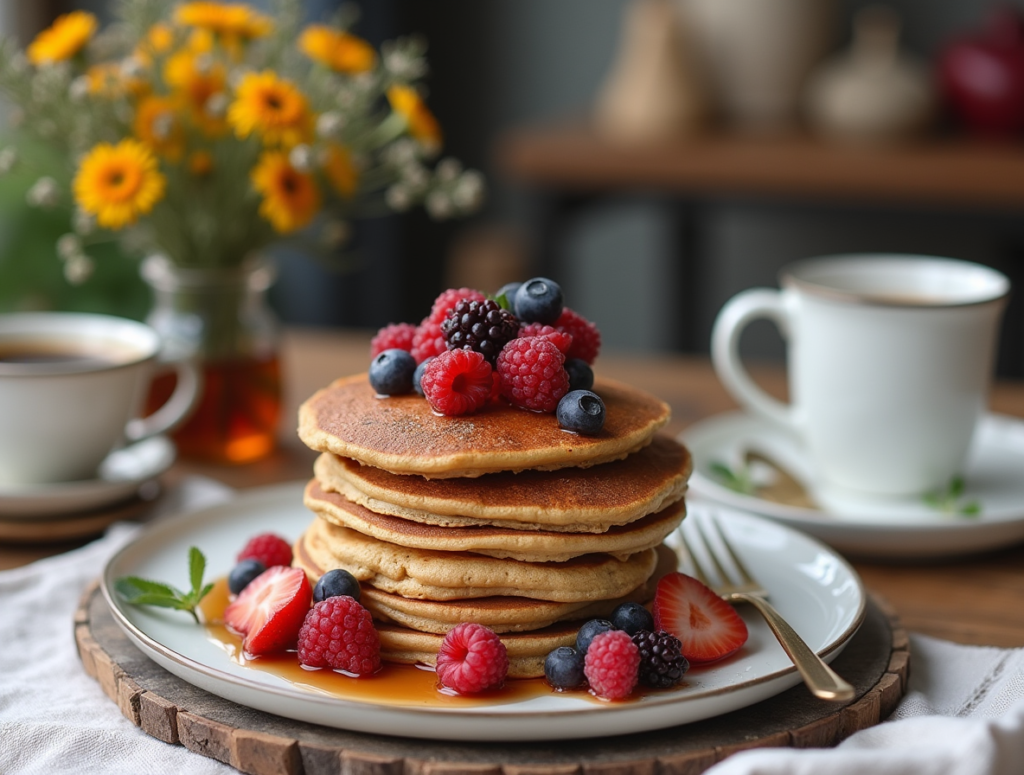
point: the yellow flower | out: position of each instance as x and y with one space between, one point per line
158 125
232 23
63 39
158 40
337 50
118 183
200 163
290 197
108 79
422 125
195 86
340 170
273 108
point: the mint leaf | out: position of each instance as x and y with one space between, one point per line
139 591
502 301
950 500
739 481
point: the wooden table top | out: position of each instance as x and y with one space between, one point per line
974 600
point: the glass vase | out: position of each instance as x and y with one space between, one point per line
220 318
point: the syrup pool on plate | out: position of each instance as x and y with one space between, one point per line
394 684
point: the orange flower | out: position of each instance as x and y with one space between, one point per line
337 50
107 79
422 125
157 41
158 124
63 39
272 108
233 23
341 172
290 198
200 163
195 86
118 183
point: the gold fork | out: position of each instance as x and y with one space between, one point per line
821 679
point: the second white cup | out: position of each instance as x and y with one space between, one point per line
889 358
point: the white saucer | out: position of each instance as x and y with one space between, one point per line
897 528
120 476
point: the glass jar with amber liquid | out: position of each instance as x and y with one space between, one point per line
219 316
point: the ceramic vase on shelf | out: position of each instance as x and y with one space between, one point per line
982 76
756 55
653 92
220 317
873 92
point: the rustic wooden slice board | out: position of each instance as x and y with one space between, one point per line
876 662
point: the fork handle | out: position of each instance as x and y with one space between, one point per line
821 679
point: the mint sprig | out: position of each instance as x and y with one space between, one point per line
139 591
950 500
738 480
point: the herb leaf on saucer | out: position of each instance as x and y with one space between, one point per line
950 500
139 591
738 480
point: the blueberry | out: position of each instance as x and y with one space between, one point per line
243 573
417 376
589 631
632 617
563 668
391 372
538 301
508 290
581 411
581 376
334 583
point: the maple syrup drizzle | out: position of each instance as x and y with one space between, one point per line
394 684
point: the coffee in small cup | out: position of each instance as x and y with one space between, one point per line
889 362
71 392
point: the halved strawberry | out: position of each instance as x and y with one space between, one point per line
270 610
707 626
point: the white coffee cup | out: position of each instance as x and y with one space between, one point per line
72 388
889 361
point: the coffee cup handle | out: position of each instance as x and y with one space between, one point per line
177 407
738 312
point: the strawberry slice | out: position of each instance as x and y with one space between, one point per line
270 610
707 626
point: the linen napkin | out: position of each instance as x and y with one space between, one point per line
963 713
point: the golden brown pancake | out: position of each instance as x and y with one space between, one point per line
401 434
526 545
434 575
577 500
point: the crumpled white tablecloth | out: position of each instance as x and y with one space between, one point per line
963 713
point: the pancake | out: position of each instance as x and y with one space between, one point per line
401 434
572 499
434 575
528 546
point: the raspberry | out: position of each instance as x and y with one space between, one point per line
394 336
661 663
482 326
338 633
532 373
427 341
268 548
586 339
611 665
457 382
472 658
559 339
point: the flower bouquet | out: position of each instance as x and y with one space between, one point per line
199 133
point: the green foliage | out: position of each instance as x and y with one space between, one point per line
738 480
139 591
951 500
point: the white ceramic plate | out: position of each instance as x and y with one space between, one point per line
119 477
888 528
812 586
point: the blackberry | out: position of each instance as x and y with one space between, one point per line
661 663
479 325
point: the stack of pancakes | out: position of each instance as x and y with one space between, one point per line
499 517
